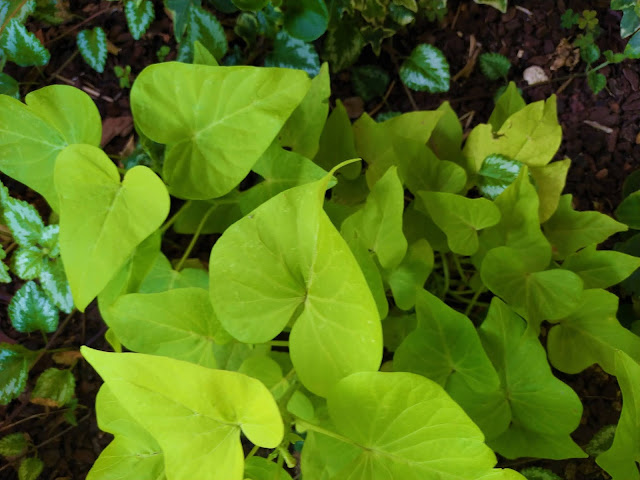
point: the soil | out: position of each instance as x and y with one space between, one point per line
601 137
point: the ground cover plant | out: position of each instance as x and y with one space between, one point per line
365 311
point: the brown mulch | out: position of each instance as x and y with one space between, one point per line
601 137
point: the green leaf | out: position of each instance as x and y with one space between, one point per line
590 54
544 410
53 281
162 277
14 369
266 274
204 27
30 468
54 388
192 410
4 269
591 335
569 230
9 86
596 81
496 174
601 268
202 56
621 460
337 143
411 274
460 218
92 45
31 309
250 4
101 219
13 445
378 225
632 50
180 12
306 20
22 218
510 102
342 44
629 210
537 473
133 453
21 46
385 425
601 441
630 22
550 181
426 70
259 468
290 52
494 65
204 158
247 27
139 16
498 4
20 10
177 323
369 81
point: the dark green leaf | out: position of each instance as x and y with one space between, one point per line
254 5
369 81
14 368
601 441
270 20
139 16
21 46
181 10
631 184
306 19
630 22
537 473
9 86
401 15
426 69
590 54
632 50
4 270
53 12
13 444
225 6
569 18
92 45
289 52
31 309
494 65
596 81
496 174
247 27
30 469
54 388
205 28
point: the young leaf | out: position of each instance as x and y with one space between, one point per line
369 81
139 16
266 275
13 445
30 468
92 45
21 46
306 20
385 423
53 280
192 410
290 52
204 158
621 460
591 335
411 274
259 468
101 219
545 410
31 309
510 102
14 369
601 268
342 44
596 81
426 70
34 134
54 388
496 174
494 65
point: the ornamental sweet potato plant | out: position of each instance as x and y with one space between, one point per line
377 291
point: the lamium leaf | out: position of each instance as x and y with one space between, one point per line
411 274
4 269
26 263
22 218
369 81
591 334
30 468
14 369
342 44
550 181
426 70
54 388
291 52
306 20
177 323
496 174
386 426
92 45
53 280
544 410
31 309
32 135
192 410
538 473
207 153
509 103
460 218
139 16
569 230
13 445
204 27
601 268
21 46
259 468
101 219
133 453
265 275
621 460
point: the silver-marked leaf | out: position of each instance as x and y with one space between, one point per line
49 240
92 45
290 52
342 44
17 9
22 218
27 262
53 280
205 28
139 16
426 70
14 369
4 269
31 309
54 388
21 46
496 174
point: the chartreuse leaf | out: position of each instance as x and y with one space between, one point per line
21 46
162 277
291 52
207 153
30 468
302 131
544 410
621 460
177 323
259 468
629 210
550 181
531 135
371 271
496 174
101 219
32 135
411 274
306 19
509 103
378 225
460 218
532 291
13 445
192 410
14 369
133 453
202 56
265 275
591 334
601 268
54 388
337 143
499 4
569 230
446 139
139 16
92 45
384 425
426 70
31 309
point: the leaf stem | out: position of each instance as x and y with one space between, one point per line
195 237
316 428
473 301
175 216
278 343
447 276
253 451
463 276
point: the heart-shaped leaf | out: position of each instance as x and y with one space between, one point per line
139 16
205 156
259 468
601 268
21 46
31 309
92 45
426 70
101 219
510 102
306 20
550 181
411 274
496 174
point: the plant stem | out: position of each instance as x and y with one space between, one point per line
445 270
252 452
195 237
278 343
315 428
175 216
473 301
463 276
462 299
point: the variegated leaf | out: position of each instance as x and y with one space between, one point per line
22 219
15 9
139 16
206 29
4 270
92 45
343 44
21 46
26 263
426 70
31 309
54 282
289 52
